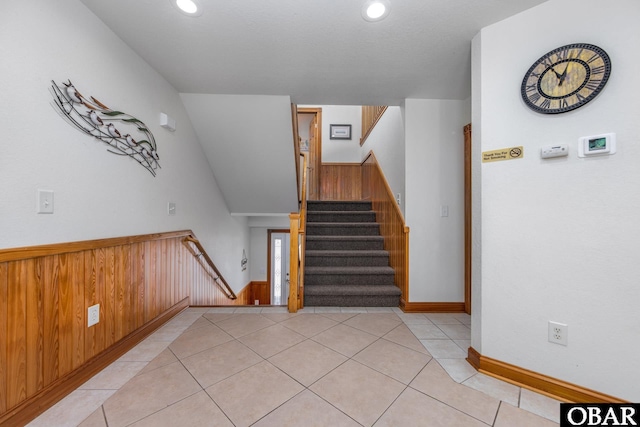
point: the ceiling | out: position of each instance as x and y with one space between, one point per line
316 51
241 63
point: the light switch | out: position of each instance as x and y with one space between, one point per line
45 202
171 208
444 210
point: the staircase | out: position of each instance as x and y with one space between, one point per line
345 263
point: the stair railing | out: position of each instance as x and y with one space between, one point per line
207 264
297 221
370 116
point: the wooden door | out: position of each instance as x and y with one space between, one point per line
315 152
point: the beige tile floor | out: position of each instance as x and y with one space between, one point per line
323 366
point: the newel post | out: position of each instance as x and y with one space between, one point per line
294 221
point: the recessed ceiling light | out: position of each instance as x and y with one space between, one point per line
188 7
375 10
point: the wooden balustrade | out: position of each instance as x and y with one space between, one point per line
46 348
370 116
392 226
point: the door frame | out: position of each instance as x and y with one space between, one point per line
467 219
269 232
317 111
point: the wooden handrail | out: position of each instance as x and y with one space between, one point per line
203 254
297 247
370 116
14 254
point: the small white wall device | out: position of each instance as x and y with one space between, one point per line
167 122
550 151
597 145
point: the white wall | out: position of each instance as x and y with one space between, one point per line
386 140
434 153
560 236
97 194
340 150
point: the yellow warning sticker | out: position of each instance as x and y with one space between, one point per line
502 154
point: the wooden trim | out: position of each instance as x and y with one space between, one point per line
49 396
432 307
14 254
549 386
467 218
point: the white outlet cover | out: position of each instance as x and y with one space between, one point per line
558 333
93 315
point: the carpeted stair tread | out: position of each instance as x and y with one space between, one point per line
343 229
346 264
317 205
341 253
341 216
349 270
352 290
336 258
328 242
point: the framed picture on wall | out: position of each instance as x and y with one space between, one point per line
340 131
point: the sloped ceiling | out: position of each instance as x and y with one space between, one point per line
315 52
248 142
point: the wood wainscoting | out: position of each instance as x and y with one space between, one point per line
255 290
392 226
46 348
340 181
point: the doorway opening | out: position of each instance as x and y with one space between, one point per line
278 266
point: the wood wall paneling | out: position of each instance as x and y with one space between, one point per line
45 293
392 226
340 181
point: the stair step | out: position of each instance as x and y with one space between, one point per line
352 296
341 216
337 258
352 290
344 243
329 205
340 276
343 229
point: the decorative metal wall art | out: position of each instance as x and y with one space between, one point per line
124 134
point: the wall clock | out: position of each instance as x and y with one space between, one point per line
565 78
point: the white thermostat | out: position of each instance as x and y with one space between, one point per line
597 145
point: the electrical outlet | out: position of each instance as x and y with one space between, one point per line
558 333
93 316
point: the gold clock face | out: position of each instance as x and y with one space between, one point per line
565 78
